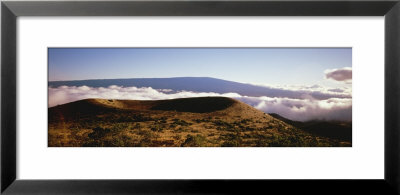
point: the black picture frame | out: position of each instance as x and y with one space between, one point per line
11 10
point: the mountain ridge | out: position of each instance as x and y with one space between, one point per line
198 84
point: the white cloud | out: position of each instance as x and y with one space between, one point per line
295 109
65 94
316 90
341 74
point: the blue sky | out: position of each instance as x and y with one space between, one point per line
278 66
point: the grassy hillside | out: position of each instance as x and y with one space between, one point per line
187 122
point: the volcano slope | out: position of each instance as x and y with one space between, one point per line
185 122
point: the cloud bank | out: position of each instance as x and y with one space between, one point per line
303 91
304 109
341 74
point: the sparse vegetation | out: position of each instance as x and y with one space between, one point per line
87 123
195 141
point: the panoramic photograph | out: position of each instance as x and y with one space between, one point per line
199 97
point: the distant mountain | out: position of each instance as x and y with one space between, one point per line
331 129
197 84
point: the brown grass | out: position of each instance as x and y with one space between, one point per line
189 122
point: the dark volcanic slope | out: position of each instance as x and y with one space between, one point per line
196 105
98 106
198 84
330 129
73 110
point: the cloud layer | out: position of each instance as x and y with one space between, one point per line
304 109
341 74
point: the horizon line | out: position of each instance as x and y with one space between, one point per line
140 78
